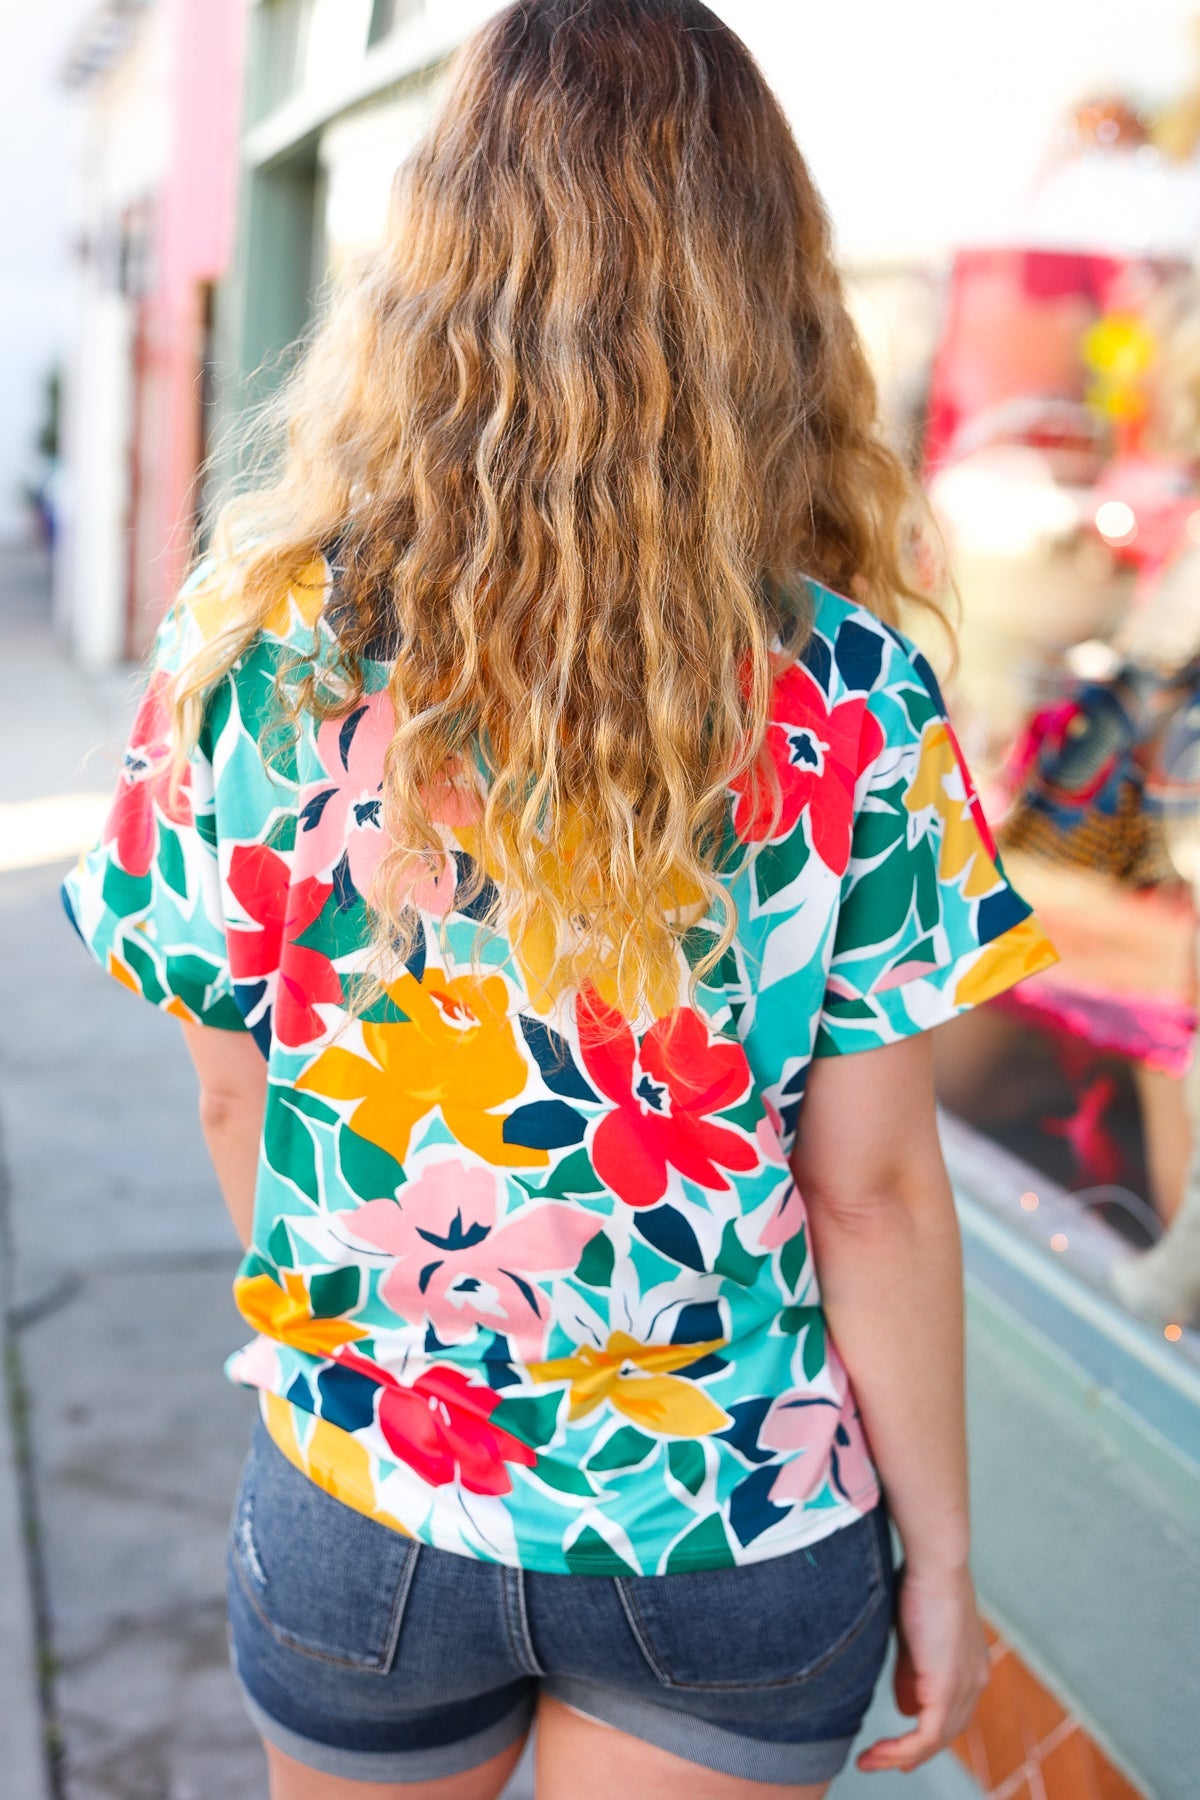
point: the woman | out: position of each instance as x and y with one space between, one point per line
519 823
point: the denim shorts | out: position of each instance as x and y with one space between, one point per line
364 1654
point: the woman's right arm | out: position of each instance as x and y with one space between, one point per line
885 1238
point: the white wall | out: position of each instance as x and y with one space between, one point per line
122 139
925 122
33 228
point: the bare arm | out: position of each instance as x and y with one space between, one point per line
885 1238
233 1093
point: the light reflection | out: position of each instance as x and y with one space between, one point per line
1116 522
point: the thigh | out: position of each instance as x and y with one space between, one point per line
291 1780
578 1758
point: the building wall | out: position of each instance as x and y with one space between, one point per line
156 191
33 230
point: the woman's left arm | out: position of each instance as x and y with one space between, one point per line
233 1096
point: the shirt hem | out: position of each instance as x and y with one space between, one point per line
810 1527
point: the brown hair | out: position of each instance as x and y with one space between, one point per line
580 427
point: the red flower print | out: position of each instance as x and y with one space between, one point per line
662 1090
817 752
146 783
441 1427
260 882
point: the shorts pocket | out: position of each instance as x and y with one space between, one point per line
324 1579
768 1624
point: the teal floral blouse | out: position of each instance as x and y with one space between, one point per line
529 1279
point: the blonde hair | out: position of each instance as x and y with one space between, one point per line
579 429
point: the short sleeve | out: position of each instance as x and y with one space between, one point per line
927 924
147 900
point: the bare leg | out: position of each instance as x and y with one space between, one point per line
579 1759
290 1780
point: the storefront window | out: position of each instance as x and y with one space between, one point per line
1062 459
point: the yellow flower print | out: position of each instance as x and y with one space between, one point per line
456 1052
304 596
1023 950
285 1314
535 942
636 1380
333 1458
212 602
964 843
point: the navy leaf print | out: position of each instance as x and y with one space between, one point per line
669 1232
699 1323
751 1511
310 812
347 1398
346 735
859 656
748 1416
556 1065
344 889
544 1125
818 660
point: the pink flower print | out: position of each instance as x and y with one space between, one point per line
454 1266
824 1437
343 815
786 1217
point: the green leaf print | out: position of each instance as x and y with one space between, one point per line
563 1476
312 1106
705 1546
687 1464
532 1418
333 1294
792 1258
574 1175
142 963
595 1268
171 865
590 1555
813 1353
279 1245
366 1169
879 903
877 831
288 1146
125 894
734 1261
624 1449
777 865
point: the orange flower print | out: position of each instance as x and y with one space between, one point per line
455 1053
284 1313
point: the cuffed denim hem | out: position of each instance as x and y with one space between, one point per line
392 1765
696 1741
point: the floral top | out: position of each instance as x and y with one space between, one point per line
528 1279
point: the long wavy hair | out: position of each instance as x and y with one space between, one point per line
579 428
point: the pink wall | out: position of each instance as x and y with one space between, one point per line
193 235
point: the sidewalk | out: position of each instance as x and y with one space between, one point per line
116 1259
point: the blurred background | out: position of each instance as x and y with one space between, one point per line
1015 190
